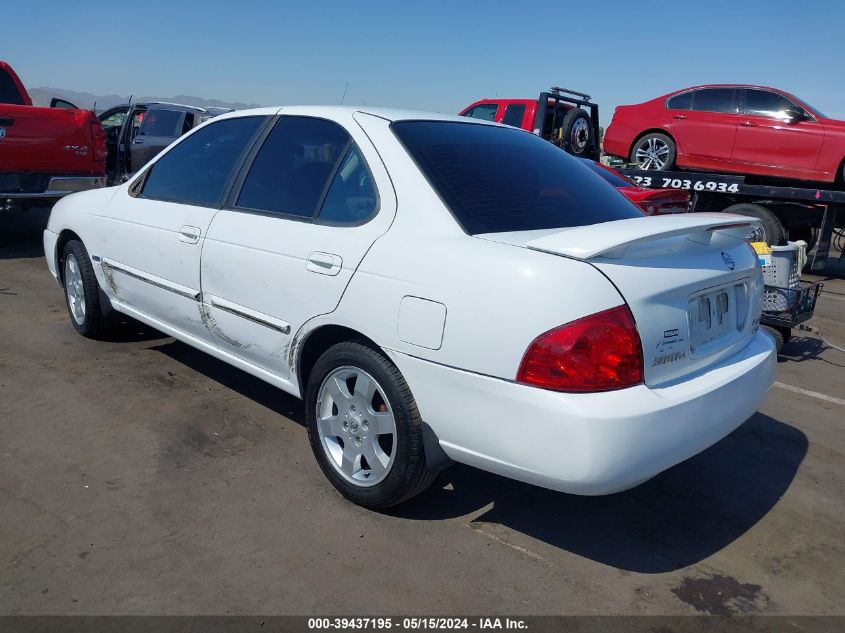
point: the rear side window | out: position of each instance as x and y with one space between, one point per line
196 170
293 167
351 198
497 179
513 114
680 102
158 122
9 92
714 100
485 112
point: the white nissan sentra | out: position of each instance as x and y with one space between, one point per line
436 289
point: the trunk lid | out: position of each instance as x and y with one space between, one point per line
691 282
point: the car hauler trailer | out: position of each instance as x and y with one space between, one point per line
786 212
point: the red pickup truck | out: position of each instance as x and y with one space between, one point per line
45 153
554 115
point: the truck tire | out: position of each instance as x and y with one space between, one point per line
771 229
655 151
806 233
577 133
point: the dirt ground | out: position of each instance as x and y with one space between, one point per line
139 476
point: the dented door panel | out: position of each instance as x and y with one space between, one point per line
145 264
265 274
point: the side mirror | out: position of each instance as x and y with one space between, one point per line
795 116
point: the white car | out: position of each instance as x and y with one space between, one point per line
435 288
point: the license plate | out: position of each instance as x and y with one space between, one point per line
711 316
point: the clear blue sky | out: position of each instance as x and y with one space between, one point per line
432 55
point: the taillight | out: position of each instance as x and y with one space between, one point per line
600 352
663 203
98 134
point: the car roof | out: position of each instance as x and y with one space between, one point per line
389 114
149 103
728 86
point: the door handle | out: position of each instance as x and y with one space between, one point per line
324 263
189 234
678 116
747 124
138 141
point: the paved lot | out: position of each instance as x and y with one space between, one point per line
139 476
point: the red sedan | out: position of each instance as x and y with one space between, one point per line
730 128
651 201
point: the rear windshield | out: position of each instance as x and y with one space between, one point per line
497 179
9 92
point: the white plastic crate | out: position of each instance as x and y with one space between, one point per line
782 272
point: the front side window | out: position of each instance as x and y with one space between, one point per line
293 166
485 112
513 114
767 104
714 100
496 179
113 120
196 170
159 122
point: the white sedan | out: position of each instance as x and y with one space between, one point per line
436 289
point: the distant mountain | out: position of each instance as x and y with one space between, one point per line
42 97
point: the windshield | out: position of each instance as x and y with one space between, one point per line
814 109
496 179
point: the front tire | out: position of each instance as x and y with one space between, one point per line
364 427
82 292
655 151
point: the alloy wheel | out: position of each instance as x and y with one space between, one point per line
356 426
75 289
652 153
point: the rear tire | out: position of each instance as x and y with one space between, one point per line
771 229
368 442
655 152
577 133
806 233
776 334
82 292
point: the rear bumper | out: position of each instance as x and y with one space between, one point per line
617 140
57 187
587 444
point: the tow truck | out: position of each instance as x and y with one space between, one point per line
565 117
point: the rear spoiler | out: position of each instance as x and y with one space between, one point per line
612 239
